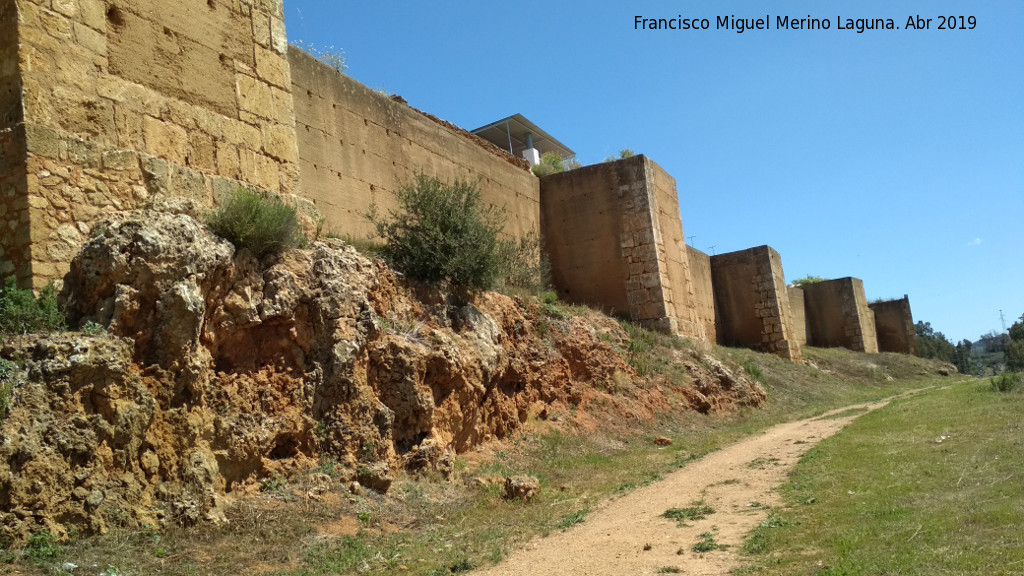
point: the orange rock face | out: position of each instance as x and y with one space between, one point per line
219 371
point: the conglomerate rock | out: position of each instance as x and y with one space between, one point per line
218 370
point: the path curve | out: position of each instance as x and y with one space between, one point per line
738 481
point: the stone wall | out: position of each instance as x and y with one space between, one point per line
751 302
894 326
796 308
615 242
838 316
15 254
357 146
700 271
133 103
10 80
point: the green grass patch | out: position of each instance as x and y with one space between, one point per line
928 485
696 511
572 519
706 543
844 414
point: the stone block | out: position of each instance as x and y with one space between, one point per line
165 140
272 67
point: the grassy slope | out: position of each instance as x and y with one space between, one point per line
431 527
930 485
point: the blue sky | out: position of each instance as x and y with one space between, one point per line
895 156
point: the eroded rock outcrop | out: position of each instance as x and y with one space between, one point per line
218 370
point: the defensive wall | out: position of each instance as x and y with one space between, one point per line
796 308
110 105
704 292
356 146
115 105
838 315
751 303
615 240
894 326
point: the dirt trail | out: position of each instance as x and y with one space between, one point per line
738 482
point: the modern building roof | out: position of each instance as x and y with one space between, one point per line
512 134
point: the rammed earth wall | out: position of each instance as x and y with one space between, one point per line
615 241
357 146
109 105
796 308
894 326
838 316
114 105
700 271
751 302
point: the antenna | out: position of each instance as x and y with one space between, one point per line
1002 319
713 250
691 239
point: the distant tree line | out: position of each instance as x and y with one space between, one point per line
992 351
1015 347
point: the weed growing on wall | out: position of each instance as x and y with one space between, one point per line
21 312
264 225
333 57
442 232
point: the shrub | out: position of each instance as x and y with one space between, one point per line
523 264
807 280
263 224
1007 381
623 154
21 312
1014 354
551 163
43 546
442 232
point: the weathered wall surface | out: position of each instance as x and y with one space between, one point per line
10 81
584 229
615 241
677 287
127 103
838 315
894 326
14 242
796 308
751 302
357 146
700 271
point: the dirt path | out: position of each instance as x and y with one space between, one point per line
737 481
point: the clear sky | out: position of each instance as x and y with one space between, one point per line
894 156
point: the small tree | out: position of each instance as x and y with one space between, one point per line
1015 348
963 357
551 163
442 232
808 280
933 344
